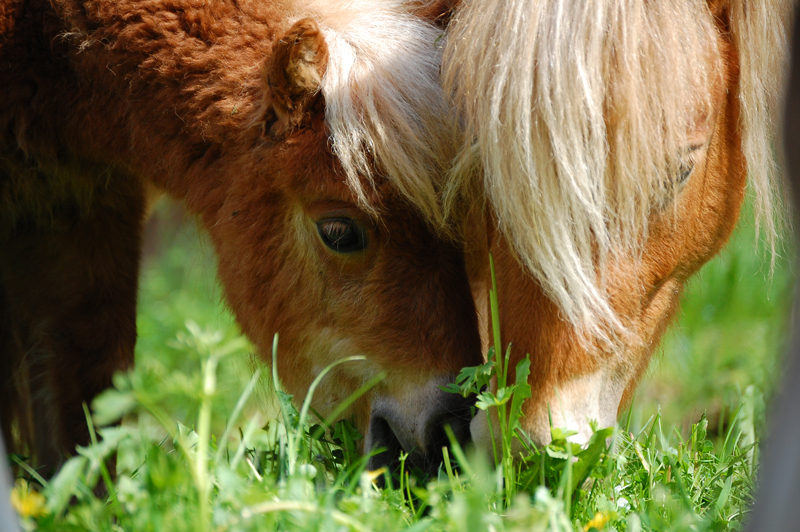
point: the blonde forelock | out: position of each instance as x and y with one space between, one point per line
385 107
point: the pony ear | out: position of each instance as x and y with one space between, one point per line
292 76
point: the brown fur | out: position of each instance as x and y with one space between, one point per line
217 104
437 11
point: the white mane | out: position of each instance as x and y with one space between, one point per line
577 113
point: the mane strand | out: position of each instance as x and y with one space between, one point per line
760 33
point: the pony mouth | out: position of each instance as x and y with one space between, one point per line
392 450
385 451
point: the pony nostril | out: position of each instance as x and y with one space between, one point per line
381 436
420 434
457 414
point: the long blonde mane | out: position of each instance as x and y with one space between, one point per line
577 115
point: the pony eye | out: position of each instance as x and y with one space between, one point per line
684 171
687 164
342 235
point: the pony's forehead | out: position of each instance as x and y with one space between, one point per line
307 169
322 180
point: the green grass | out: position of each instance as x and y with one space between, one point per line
730 333
205 446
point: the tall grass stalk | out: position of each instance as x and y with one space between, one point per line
237 410
204 435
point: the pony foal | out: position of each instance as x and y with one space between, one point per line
308 138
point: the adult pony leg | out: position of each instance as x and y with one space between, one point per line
70 301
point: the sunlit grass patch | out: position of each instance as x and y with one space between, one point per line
293 472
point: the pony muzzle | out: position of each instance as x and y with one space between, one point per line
415 425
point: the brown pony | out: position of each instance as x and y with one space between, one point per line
613 141
309 138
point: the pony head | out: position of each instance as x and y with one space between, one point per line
610 143
336 238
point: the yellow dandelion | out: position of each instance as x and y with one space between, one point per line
598 522
375 474
27 501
